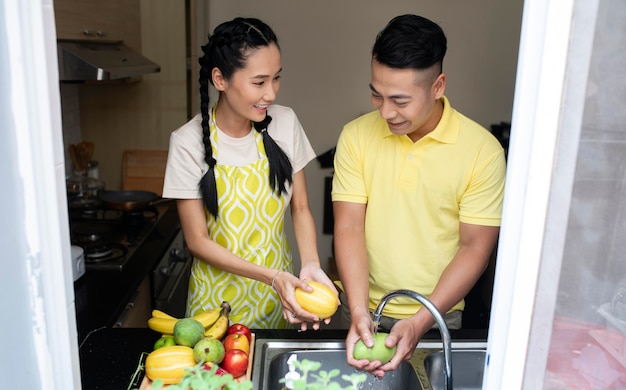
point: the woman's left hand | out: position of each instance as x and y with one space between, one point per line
285 285
316 274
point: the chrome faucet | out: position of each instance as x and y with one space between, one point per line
443 328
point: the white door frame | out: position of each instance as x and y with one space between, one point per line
547 114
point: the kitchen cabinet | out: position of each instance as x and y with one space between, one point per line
99 20
139 115
138 309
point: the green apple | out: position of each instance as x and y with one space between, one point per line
378 352
165 341
209 350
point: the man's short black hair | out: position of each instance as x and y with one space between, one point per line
410 42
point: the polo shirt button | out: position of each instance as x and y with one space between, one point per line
410 157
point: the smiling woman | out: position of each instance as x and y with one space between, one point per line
235 169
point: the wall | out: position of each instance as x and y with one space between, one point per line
117 116
326 62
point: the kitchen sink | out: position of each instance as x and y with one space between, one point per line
271 355
467 369
270 364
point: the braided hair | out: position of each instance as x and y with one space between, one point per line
227 50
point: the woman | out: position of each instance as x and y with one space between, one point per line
234 169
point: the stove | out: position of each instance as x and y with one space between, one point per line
110 237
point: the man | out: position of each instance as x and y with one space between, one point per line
417 194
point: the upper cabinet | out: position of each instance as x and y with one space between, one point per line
117 20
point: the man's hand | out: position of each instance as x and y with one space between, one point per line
405 335
361 328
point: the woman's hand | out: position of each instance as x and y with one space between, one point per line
285 285
316 274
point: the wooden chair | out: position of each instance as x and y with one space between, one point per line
144 170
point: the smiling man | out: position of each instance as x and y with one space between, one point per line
417 195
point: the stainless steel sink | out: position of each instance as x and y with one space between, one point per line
467 369
270 364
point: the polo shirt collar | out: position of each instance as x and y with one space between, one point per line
447 130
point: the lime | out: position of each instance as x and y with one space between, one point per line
165 341
188 331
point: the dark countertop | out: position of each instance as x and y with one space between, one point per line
110 356
101 296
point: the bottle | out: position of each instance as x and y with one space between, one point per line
292 375
92 170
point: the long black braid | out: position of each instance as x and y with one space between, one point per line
227 50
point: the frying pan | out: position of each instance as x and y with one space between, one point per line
130 200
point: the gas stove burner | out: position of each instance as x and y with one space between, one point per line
84 234
110 237
84 204
139 217
104 252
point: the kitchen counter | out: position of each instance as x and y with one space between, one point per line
110 356
101 296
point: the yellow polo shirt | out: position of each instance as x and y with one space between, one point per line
416 195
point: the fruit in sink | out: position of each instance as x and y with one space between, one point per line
378 352
208 350
188 332
235 362
237 341
322 302
169 363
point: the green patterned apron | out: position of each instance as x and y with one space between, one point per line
250 224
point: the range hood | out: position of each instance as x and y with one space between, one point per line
100 60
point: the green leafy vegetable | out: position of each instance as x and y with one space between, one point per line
199 378
323 380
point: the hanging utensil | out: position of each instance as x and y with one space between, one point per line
81 154
74 156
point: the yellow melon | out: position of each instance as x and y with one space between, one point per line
169 363
322 301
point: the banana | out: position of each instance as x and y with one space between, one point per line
208 318
220 327
214 321
162 325
160 314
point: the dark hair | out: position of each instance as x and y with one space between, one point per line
410 42
228 49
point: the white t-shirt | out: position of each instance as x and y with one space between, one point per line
185 161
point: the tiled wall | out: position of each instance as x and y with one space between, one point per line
595 251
